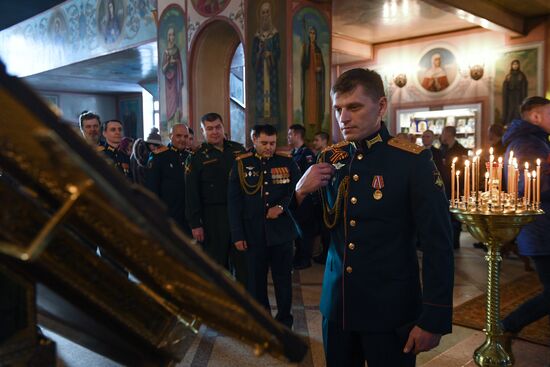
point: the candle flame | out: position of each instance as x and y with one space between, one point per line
467 163
486 174
534 174
526 165
491 151
458 173
475 158
478 153
455 159
538 161
499 160
511 154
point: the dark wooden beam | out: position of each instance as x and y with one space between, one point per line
485 14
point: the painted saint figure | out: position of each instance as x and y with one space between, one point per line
514 91
172 68
265 53
435 78
313 77
112 26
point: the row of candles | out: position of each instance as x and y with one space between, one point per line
495 197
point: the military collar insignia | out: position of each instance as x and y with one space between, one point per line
371 142
110 148
174 148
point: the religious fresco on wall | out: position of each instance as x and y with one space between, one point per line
266 83
516 77
74 31
172 45
311 71
208 8
437 69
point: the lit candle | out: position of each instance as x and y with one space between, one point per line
538 180
499 178
458 186
516 180
474 176
526 184
453 173
491 160
486 180
534 190
466 180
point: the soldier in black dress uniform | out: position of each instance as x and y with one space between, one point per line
165 175
380 195
113 133
309 226
206 179
261 186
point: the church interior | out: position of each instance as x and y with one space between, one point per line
157 299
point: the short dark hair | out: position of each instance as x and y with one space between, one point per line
300 129
87 115
211 117
266 129
496 129
450 129
370 80
323 135
532 102
191 131
106 124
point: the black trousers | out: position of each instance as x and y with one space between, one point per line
353 348
279 258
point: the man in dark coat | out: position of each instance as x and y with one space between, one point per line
260 188
206 179
380 196
113 132
165 175
528 138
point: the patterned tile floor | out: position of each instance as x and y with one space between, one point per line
211 349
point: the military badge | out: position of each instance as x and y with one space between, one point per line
210 161
309 158
250 172
280 175
338 165
377 185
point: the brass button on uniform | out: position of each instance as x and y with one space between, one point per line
351 246
353 200
267 193
359 156
355 177
352 223
349 269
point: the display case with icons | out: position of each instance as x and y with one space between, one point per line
465 118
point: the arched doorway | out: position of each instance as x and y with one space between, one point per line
212 55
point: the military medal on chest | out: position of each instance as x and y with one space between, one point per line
377 185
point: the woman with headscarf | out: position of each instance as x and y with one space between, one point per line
435 78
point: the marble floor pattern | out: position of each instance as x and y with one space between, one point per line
211 349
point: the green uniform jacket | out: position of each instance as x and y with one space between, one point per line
206 178
394 198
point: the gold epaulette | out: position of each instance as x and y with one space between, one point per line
243 156
405 145
161 149
100 148
343 143
283 154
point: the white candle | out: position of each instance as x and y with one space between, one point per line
526 184
538 180
453 181
458 186
534 190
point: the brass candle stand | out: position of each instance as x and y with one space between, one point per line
494 218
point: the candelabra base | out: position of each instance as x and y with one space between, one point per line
493 354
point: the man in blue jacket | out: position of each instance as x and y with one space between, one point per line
380 195
261 185
528 139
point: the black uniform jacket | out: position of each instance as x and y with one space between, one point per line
255 185
206 177
165 176
386 194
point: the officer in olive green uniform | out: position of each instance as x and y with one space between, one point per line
206 179
260 188
379 195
